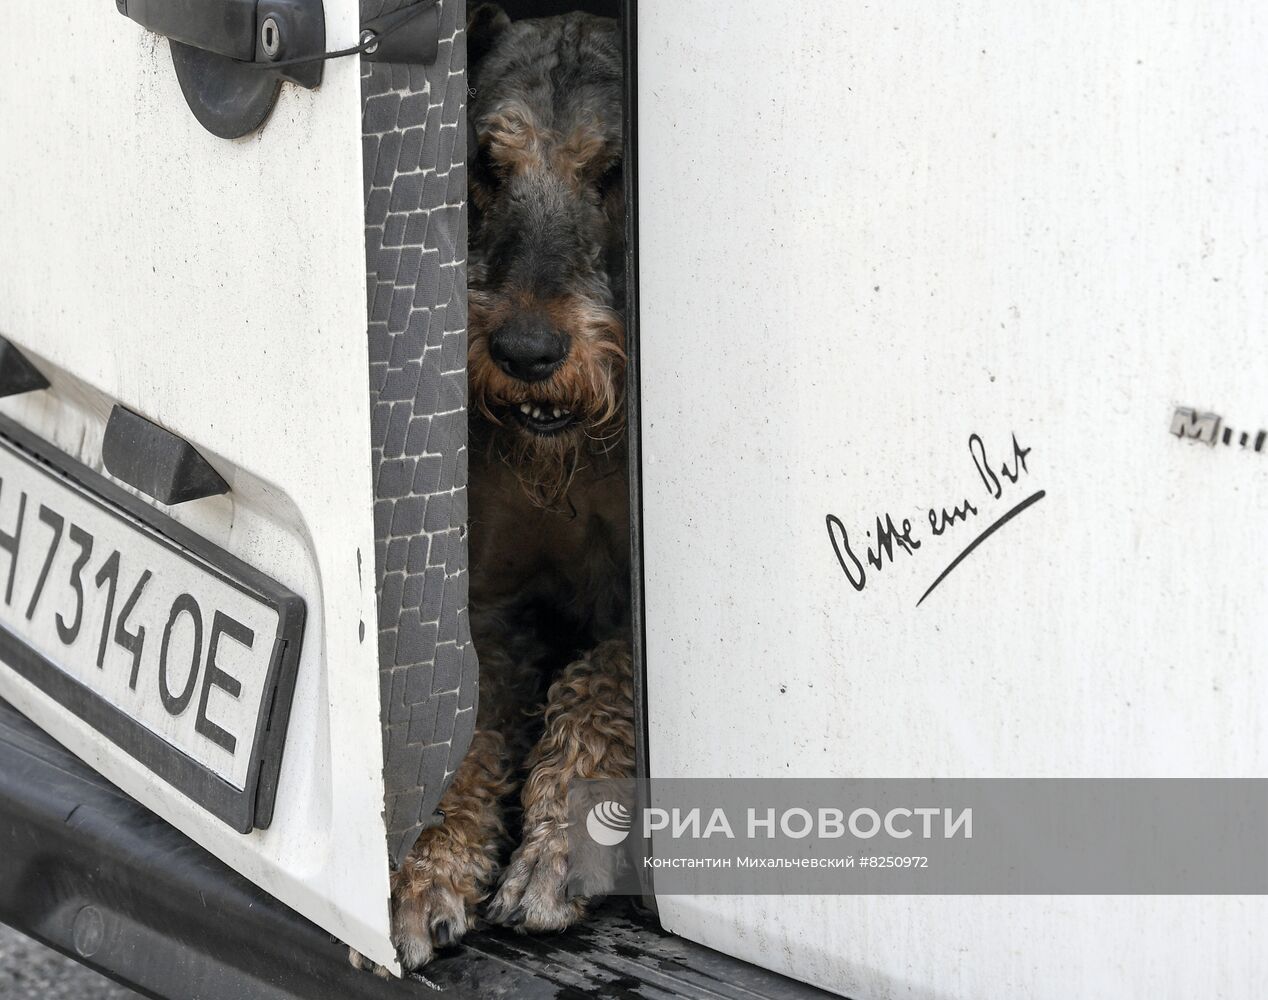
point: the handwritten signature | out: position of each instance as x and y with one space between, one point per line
887 537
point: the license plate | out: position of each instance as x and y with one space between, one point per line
173 649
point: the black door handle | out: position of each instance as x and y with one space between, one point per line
290 33
227 27
222 51
231 56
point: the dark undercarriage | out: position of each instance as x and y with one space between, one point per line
89 871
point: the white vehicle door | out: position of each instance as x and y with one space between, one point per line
874 240
232 471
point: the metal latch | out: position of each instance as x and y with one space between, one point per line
231 56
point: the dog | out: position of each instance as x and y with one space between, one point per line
549 513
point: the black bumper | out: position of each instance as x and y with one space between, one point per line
87 870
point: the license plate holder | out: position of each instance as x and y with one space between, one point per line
217 734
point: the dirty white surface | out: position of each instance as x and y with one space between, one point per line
868 232
218 288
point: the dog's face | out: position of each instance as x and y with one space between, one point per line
546 357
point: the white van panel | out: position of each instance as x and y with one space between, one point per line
868 232
218 288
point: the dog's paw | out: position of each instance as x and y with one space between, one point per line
427 918
535 893
359 961
550 882
583 758
435 893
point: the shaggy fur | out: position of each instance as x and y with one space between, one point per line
547 226
548 536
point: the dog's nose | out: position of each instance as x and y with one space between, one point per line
528 351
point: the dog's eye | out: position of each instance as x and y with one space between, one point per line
610 180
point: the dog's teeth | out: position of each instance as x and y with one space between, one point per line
537 414
525 408
558 413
